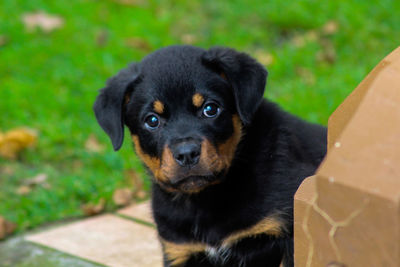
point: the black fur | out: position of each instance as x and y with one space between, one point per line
276 152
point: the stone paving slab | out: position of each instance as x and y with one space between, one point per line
105 239
140 211
16 252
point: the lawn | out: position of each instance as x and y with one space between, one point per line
316 53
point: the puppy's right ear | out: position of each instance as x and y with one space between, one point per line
246 76
109 103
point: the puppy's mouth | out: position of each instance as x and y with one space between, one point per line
193 183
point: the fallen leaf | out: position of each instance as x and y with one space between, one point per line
93 145
132 177
138 43
328 52
24 190
137 184
7 170
102 38
299 40
6 227
91 209
43 21
3 40
122 196
14 141
188 38
31 183
39 179
307 75
331 27
141 194
131 2
264 57
77 164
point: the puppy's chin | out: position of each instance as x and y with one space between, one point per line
192 184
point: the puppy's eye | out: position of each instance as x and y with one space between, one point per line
211 110
152 121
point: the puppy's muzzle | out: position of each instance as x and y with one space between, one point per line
187 153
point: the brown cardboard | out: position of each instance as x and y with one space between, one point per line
303 203
353 217
341 116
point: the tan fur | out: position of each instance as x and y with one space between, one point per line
153 163
126 99
227 149
212 159
158 107
223 76
271 225
179 253
168 163
197 100
221 158
209 157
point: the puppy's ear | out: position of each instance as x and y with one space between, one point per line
109 103
246 76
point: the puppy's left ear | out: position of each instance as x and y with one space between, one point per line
109 103
246 76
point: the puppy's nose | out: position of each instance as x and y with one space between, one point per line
187 153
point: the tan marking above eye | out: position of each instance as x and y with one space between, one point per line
197 100
158 106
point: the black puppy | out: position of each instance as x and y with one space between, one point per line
225 162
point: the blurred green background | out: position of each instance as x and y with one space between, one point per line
316 53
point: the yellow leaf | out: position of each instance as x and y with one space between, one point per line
14 141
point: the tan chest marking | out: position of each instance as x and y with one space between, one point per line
271 225
179 253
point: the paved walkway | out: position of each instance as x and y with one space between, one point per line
126 238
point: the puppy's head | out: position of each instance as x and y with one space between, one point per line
185 108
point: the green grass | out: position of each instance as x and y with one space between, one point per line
50 80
